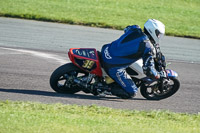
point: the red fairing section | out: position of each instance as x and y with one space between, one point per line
87 59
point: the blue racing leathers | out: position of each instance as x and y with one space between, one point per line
121 53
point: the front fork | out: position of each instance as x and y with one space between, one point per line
163 82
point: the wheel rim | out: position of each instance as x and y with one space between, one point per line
66 80
154 91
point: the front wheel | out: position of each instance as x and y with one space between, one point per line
61 79
153 92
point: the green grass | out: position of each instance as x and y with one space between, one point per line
181 17
27 117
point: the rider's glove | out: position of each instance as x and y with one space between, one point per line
151 72
157 76
163 74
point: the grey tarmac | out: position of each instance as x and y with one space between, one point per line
30 51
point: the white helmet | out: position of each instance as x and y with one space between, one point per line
155 29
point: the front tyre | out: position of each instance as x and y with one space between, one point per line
153 92
60 80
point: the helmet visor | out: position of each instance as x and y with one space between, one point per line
159 34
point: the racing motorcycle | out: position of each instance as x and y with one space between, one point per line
85 73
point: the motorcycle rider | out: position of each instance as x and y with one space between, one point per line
131 46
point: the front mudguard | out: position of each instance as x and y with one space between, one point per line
171 73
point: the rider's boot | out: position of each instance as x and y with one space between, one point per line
100 90
122 93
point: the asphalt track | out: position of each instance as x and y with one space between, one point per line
30 51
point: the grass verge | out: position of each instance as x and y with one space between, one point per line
29 117
181 17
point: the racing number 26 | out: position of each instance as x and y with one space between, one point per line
88 64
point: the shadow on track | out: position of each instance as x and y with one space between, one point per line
54 94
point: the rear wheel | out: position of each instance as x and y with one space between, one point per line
152 92
61 79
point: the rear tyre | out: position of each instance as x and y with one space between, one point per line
60 81
151 93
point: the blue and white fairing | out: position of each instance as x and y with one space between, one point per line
171 73
137 67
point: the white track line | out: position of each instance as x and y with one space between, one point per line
39 54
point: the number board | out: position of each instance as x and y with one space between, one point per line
86 64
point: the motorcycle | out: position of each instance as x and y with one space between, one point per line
85 73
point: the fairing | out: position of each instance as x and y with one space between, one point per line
87 59
137 67
171 73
